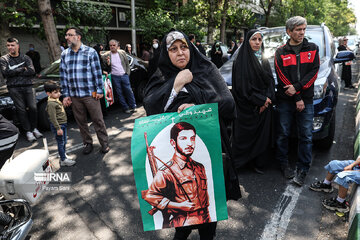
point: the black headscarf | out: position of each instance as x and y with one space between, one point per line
250 78
207 85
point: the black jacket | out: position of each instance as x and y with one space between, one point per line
298 70
18 71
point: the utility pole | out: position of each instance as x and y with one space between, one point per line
133 31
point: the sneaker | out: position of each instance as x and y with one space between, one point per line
67 162
299 179
105 149
30 137
334 205
88 147
133 110
287 172
66 156
127 111
37 134
320 186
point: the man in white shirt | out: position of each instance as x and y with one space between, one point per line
117 62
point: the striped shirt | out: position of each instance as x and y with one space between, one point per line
80 72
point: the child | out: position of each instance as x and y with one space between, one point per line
347 171
58 120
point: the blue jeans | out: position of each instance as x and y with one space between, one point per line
304 122
25 105
343 178
61 140
123 89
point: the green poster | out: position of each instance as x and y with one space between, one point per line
178 168
108 90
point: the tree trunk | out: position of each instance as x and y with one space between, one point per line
268 12
50 29
4 35
223 21
211 22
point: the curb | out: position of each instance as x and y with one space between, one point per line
354 215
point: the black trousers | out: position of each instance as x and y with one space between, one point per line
207 231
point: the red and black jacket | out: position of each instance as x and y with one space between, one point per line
298 70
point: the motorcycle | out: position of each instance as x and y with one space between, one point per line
19 188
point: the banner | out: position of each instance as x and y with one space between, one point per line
178 168
108 90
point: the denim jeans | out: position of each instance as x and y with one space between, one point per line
343 178
61 140
304 121
123 89
24 98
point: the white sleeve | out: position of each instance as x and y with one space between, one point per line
173 95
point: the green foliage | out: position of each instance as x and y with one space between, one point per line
238 17
339 17
334 13
20 13
154 23
91 15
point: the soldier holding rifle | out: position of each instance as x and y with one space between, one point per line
179 188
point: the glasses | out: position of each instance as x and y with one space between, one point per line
175 49
70 35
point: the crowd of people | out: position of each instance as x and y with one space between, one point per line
182 76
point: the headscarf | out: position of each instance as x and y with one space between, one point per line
207 85
250 78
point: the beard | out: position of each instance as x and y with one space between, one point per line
183 153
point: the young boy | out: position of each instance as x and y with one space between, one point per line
58 120
347 171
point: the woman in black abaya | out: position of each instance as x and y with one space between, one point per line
186 77
346 66
253 91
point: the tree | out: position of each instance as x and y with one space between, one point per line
91 16
50 29
224 12
267 5
339 17
19 13
153 23
334 13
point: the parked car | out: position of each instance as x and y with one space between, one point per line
138 80
326 86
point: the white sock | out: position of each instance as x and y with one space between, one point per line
339 199
326 182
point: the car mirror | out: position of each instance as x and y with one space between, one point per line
344 56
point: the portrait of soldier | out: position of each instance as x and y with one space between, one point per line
179 187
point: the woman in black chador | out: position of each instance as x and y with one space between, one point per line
346 66
185 77
253 91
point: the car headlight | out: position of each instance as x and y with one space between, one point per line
320 89
317 123
5 101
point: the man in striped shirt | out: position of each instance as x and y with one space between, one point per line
82 88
